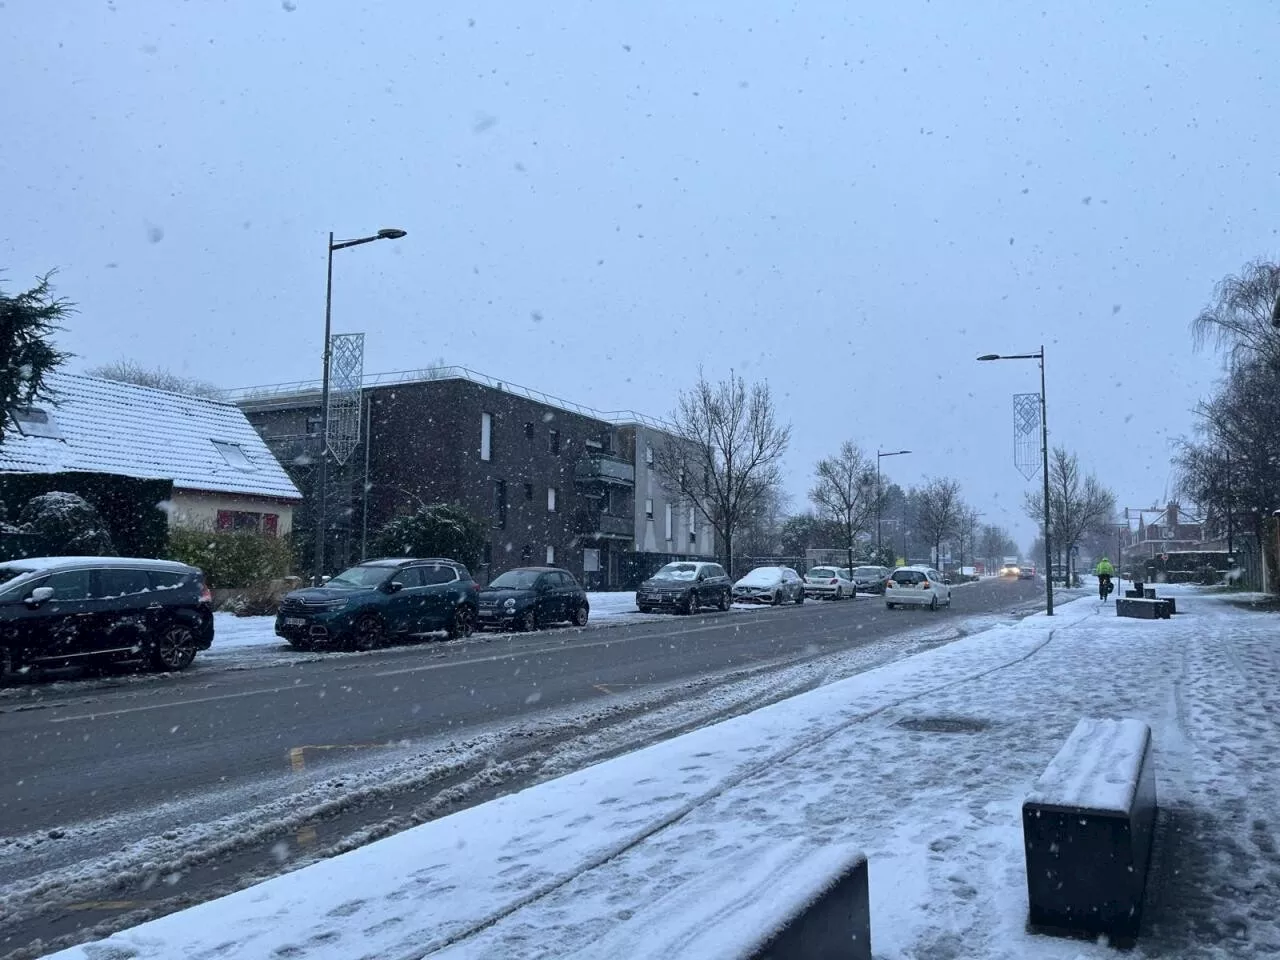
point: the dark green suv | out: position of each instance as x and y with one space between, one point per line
363 607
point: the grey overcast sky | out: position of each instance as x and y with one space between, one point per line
850 199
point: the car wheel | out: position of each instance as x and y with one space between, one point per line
581 615
777 598
839 594
367 633
933 602
642 608
800 598
693 604
726 601
528 621
174 649
463 624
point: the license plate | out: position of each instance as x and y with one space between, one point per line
294 622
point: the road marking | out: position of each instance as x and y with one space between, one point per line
605 687
564 646
298 758
109 905
178 703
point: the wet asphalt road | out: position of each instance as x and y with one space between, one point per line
84 751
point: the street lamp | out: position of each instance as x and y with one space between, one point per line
387 233
880 498
1044 450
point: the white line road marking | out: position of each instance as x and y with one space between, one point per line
179 703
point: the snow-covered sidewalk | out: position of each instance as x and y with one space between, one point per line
922 763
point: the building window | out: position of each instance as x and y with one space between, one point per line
314 422
551 499
486 436
528 491
693 525
233 455
551 554
528 430
648 455
500 502
553 441
668 521
590 560
648 509
247 521
34 422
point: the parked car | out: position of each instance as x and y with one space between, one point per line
870 579
686 587
773 585
829 583
917 586
1026 573
65 611
367 605
530 598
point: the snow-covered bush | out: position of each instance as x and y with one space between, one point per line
437 530
229 559
69 525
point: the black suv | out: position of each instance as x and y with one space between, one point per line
687 587
532 597
365 605
68 611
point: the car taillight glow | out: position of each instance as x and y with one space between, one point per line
205 595
888 584
924 584
834 581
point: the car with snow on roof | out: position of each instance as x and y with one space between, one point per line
75 611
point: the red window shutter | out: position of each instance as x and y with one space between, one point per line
269 521
226 520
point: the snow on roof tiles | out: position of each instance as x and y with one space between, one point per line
132 431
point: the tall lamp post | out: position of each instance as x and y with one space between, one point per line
880 498
1044 450
322 501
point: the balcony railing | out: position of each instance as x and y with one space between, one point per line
608 525
605 468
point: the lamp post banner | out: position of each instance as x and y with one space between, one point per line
1026 434
346 375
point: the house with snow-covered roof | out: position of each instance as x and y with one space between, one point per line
221 473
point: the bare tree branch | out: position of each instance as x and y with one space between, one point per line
724 453
845 493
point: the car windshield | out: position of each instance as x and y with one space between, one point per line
677 571
365 575
762 577
516 580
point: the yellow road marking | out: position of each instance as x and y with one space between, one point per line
298 758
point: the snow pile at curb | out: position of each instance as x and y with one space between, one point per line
922 763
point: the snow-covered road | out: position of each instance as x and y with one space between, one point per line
923 763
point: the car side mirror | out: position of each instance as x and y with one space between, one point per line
394 586
946 581
40 595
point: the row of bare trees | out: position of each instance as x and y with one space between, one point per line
1230 466
1080 507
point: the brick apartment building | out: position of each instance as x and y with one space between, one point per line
556 483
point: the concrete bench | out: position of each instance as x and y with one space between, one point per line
1144 609
1088 826
823 916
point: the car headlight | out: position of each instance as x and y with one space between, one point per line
511 603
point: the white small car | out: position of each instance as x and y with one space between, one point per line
829 583
917 586
773 585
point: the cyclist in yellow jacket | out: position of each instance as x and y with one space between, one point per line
1105 571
